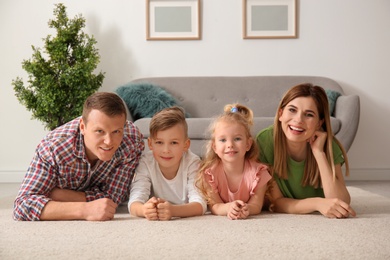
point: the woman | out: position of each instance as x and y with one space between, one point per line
306 158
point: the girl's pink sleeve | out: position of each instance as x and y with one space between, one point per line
210 179
261 178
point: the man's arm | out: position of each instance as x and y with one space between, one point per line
66 195
37 184
98 210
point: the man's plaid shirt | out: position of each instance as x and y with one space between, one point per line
60 161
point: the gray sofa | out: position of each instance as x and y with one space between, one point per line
204 98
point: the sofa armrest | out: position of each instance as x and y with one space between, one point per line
347 110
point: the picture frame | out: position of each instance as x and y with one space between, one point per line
173 19
270 19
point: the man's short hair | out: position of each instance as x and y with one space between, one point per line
167 118
106 102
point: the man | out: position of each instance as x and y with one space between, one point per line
83 169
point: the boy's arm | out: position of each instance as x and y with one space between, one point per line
141 188
167 210
187 210
147 210
135 209
192 192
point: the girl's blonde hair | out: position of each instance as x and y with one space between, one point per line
234 114
312 174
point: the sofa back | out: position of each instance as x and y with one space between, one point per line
205 97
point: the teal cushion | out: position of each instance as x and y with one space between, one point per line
332 98
145 99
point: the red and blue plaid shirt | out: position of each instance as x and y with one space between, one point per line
60 161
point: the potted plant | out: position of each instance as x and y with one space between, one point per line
62 77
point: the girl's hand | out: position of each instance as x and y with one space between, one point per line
164 209
335 208
150 209
244 212
234 209
317 141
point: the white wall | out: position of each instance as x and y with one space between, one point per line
345 40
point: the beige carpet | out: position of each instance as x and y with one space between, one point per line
267 236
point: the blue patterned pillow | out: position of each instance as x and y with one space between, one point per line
332 98
145 99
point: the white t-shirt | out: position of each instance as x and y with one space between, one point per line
149 181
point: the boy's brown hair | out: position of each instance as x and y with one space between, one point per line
167 118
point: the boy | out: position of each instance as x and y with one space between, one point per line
163 187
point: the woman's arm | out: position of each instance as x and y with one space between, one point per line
333 188
329 207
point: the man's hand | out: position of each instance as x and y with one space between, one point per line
100 210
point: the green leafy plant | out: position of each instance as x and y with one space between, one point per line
62 77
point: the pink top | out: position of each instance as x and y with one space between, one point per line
255 174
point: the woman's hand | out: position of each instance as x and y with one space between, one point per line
317 141
335 208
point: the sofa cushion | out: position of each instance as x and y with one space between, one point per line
332 98
145 99
198 128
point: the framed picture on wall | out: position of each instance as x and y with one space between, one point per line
173 20
267 19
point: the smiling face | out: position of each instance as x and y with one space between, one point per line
102 135
231 142
300 119
168 147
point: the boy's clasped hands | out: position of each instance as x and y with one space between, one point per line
157 209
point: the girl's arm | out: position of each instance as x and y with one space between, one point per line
233 210
331 208
217 206
255 203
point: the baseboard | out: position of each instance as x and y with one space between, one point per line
11 176
369 175
355 175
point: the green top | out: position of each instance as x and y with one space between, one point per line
292 186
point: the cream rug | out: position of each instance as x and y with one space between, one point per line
267 236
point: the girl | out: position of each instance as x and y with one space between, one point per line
230 177
305 156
